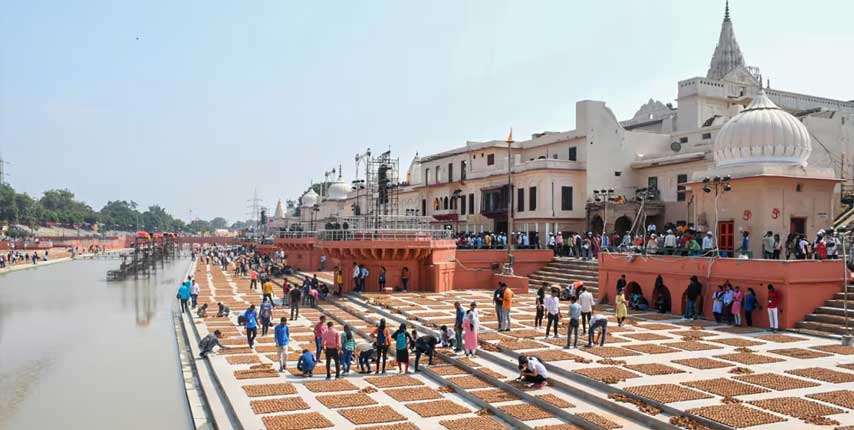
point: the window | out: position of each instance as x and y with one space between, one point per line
436 178
423 207
445 203
707 136
618 173
520 200
462 204
532 198
554 156
573 153
453 205
450 172
490 159
471 203
683 140
566 198
652 182
463 170
680 189
426 176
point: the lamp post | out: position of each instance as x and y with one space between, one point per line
509 267
720 185
604 196
847 338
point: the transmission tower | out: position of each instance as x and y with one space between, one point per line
254 207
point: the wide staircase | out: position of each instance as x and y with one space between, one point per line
829 320
563 271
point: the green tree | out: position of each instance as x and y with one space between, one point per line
218 223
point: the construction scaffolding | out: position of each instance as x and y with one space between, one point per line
383 186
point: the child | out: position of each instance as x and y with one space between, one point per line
446 337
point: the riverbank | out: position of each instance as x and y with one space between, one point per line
27 266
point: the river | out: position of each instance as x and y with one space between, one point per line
77 352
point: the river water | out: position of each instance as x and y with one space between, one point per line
77 352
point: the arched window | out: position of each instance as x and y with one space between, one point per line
436 204
446 203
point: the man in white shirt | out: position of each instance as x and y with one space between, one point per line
552 305
597 322
532 371
708 242
585 300
669 242
356 277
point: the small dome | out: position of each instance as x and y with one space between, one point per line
762 133
309 199
338 190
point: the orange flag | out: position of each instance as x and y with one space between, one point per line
510 137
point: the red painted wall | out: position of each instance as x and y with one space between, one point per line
803 284
474 266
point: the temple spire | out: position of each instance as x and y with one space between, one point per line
727 54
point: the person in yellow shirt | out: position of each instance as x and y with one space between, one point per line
339 280
620 306
267 288
506 303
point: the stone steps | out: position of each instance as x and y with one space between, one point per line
563 271
821 328
829 319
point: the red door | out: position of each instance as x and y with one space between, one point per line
798 225
726 231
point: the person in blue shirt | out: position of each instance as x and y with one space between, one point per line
458 326
750 305
184 295
306 363
266 316
251 318
283 336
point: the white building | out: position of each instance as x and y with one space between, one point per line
555 174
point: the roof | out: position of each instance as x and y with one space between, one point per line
668 159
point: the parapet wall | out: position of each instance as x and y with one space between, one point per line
803 284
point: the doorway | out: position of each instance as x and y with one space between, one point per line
726 239
798 225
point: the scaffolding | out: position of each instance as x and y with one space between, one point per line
383 186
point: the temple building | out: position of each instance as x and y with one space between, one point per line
787 155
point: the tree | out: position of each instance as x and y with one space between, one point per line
119 215
61 207
218 223
199 226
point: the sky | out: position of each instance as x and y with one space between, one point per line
195 105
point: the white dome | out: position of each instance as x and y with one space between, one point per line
308 199
338 190
762 133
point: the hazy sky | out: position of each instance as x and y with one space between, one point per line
216 98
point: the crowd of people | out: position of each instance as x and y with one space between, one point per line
16 257
497 240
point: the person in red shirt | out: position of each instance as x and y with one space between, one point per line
773 311
332 345
319 329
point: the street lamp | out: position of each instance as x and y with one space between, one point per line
509 267
604 196
720 185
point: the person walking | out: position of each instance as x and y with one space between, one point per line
348 345
267 289
402 339
552 305
773 308
266 315
295 296
620 307
381 279
585 300
253 279
692 294
363 277
331 343
283 336
459 316
750 305
498 301
339 281
506 304
184 295
471 324
574 315
382 339
737 300
540 305
356 276
194 293
250 316
319 330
